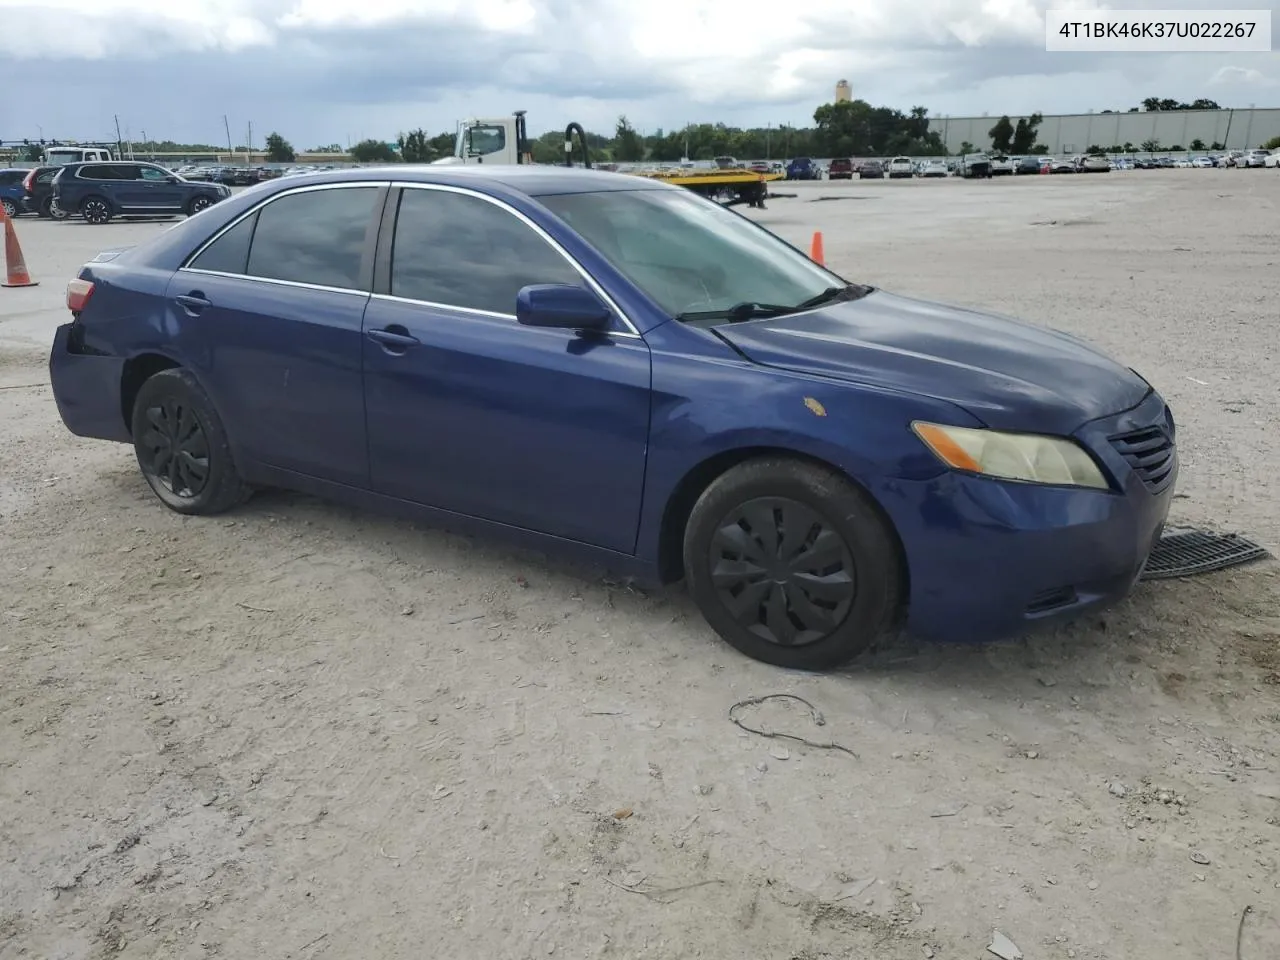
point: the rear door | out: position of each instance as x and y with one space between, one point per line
269 315
472 412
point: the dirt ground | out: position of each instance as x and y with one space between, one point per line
301 731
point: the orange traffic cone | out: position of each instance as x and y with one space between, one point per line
815 249
15 267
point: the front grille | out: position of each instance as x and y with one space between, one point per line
1151 454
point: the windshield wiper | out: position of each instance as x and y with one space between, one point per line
850 291
747 310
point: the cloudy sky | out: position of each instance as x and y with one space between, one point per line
322 71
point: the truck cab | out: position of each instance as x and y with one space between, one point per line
61 156
489 141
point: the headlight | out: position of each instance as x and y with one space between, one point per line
1012 456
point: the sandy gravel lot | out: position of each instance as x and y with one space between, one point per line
300 731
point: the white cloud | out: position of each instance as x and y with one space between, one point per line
313 63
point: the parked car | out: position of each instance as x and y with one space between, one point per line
819 460
37 192
1272 159
12 196
1027 165
900 167
1254 159
1095 164
100 191
840 169
974 166
933 168
1001 166
871 170
803 168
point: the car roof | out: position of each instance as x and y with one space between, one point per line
532 180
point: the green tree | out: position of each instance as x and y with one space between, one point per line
1024 134
1197 144
1002 136
1272 144
1096 151
1039 149
279 150
965 148
373 151
629 145
415 147
1150 146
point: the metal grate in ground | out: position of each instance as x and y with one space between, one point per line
1188 552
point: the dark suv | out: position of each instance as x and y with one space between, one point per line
37 192
99 191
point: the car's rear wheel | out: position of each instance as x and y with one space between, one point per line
792 564
10 208
54 210
197 204
182 446
95 210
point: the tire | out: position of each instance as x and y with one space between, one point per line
10 208
197 204
172 407
55 209
95 210
833 626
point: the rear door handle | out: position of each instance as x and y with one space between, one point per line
193 303
395 338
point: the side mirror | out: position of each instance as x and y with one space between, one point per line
562 305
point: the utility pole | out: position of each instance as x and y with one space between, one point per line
119 139
230 149
248 149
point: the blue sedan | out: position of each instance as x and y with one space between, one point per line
615 368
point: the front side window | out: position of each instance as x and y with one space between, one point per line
462 251
484 140
690 255
315 237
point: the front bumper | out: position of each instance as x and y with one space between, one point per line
86 389
989 558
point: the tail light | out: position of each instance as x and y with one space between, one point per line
29 182
78 294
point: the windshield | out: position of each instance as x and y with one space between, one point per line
691 255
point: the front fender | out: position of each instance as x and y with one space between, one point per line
714 409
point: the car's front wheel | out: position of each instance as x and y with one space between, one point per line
197 204
95 210
793 564
182 446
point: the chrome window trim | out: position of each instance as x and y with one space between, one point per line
280 283
631 331
346 184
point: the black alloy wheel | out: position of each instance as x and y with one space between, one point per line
782 571
793 564
182 446
95 211
177 450
198 204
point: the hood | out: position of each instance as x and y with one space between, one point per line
1008 374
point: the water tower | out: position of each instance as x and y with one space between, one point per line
843 92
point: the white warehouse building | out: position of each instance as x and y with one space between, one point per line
1076 132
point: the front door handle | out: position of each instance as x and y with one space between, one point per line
394 339
193 302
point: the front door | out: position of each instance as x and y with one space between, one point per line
472 412
269 317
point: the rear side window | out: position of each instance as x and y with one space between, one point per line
230 252
462 251
314 237
9 177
